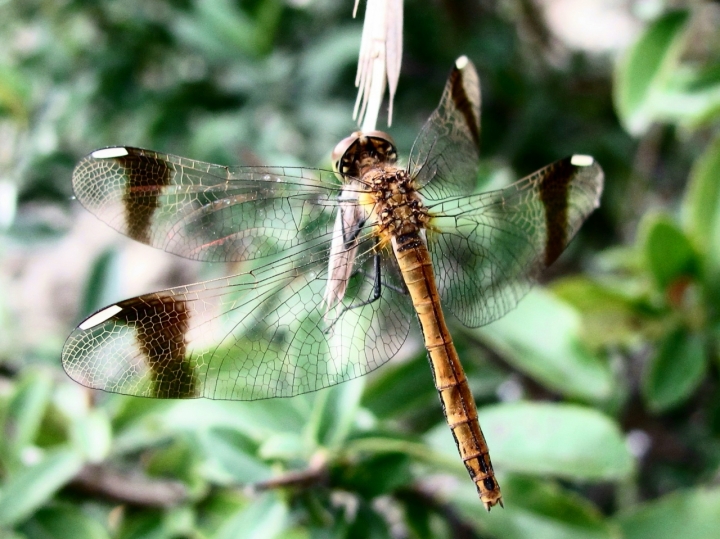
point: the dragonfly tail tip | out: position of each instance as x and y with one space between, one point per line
489 504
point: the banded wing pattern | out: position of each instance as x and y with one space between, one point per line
273 331
445 156
203 211
485 251
260 334
489 248
334 271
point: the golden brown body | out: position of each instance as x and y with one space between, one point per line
390 198
455 395
401 216
330 303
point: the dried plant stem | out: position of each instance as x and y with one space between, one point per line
379 61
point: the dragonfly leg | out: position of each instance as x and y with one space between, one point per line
385 284
377 292
377 279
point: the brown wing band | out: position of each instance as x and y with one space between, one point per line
146 177
160 324
554 194
463 104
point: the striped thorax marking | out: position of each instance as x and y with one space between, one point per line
390 190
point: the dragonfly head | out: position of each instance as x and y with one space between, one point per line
355 154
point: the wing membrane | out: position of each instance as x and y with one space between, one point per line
489 248
203 211
444 157
262 334
279 330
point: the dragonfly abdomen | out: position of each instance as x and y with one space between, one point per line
452 386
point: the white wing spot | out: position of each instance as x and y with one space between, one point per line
99 318
107 153
580 160
461 62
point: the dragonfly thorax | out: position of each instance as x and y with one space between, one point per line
397 204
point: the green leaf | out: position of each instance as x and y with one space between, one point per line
418 515
374 475
92 435
14 94
25 412
218 506
534 508
180 460
61 523
668 252
609 317
231 457
258 420
180 521
675 371
223 30
368 524
334 413
701 206
284 446
644 70
678 103
27 490
264 518
358 447
143 525
542 338
692 514
102 286
563 440
400 387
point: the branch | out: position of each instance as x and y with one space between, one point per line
98 480
315 473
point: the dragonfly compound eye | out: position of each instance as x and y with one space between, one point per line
354 154
341 149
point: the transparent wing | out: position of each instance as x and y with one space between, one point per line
203 211
444 157
488 249
260 334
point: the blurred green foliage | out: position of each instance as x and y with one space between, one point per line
599 394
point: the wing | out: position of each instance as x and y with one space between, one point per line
203 211
260 334
444 157
488 249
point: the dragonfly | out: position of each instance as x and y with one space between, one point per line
334 265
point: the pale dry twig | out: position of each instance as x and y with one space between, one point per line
379 60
